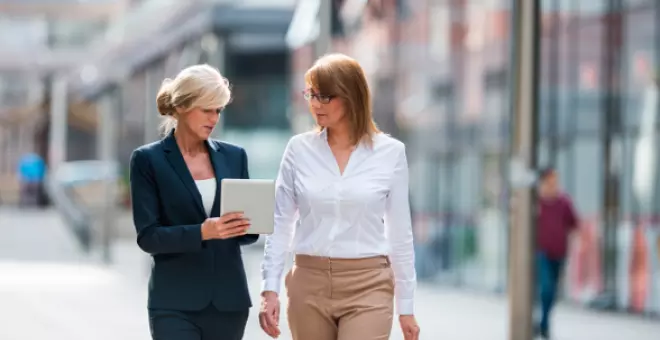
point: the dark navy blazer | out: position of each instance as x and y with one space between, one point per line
187 274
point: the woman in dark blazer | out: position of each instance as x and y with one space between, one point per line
198 288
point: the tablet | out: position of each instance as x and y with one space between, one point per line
254 197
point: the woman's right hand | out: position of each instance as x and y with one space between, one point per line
269 315
229 225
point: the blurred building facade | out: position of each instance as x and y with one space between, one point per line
112 56
440 73
39 38
244 39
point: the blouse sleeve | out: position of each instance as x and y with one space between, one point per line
399 228
278 244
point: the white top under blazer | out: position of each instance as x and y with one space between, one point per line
363 213
207 189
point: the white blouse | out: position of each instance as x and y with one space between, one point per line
207 189
364 212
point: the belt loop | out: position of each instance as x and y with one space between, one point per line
330 264
387 259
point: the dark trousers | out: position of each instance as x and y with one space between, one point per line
30 194
548 275
207 324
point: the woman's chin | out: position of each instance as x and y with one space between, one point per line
321 121
205 133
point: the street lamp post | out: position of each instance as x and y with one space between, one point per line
525 111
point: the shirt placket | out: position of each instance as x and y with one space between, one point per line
337 221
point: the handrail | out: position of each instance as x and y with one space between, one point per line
60 185
74 216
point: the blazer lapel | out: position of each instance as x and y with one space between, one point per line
219 162
174 156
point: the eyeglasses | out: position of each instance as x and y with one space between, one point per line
323 99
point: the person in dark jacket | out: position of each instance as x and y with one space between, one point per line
198 287
556 220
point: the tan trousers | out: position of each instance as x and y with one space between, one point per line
340 299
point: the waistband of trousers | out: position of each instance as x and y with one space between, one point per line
341 264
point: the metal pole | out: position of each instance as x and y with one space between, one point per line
525 112
57 146
107 132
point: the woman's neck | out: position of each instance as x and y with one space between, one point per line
340 136
188 144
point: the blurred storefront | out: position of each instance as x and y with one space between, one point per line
40 38
446 66
598 125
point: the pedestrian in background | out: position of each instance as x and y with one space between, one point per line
342 207
198 288
556 220
31 173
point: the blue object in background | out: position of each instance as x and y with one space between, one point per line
31 168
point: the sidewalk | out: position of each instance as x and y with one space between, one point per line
50 291
444 313
454 314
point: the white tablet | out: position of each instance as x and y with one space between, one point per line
254 197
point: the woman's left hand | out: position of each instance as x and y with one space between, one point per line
409 327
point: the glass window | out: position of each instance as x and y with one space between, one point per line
638 62
592 7
260 94
587 171
444 195
589 111
16 88
638 3
20 33
76 33
420 168
543 152
544 114
494 113
627 208
439 31
467 176
563 167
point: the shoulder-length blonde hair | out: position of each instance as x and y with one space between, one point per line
342 76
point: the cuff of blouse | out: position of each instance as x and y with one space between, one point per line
271 284
405 306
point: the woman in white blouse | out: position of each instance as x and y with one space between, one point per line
342 208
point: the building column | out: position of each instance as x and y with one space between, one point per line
4 150
150 110
57 146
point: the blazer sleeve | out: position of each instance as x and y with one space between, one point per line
245 174
152 237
